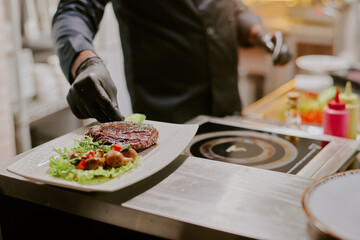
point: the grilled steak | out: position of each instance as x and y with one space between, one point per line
139 136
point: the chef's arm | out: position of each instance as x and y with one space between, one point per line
75 24
245 22
92 93
80 58
251 32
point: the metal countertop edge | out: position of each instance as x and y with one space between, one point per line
120 210
60 198
127 217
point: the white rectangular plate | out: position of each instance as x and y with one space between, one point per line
173 138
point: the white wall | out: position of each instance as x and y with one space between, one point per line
7 140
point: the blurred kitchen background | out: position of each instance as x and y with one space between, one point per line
33 107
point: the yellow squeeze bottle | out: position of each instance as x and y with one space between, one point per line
352 104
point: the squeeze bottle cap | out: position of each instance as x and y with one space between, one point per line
336 104
293 95
348 96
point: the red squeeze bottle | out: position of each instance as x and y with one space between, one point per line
336 117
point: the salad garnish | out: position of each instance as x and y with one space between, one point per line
91 162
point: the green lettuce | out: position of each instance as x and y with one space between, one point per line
61 167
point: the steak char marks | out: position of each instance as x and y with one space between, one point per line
139 136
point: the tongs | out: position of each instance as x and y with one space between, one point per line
280 55
278 44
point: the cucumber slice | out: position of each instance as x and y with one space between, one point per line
326 95
135 117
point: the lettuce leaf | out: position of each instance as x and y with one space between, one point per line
61 167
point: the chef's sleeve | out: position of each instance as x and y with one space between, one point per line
245 19
74 26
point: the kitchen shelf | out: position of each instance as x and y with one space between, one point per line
39 109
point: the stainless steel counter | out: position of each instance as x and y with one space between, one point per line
190 198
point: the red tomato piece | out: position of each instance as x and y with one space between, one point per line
90 154
116 148
81 165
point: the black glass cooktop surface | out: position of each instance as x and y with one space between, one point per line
250 147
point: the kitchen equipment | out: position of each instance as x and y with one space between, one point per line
332 206
278 45
292 112
321 64
336 117
352 104
237 140
313 82
271 107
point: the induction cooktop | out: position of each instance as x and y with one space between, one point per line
267 147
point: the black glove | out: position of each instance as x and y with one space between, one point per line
275 45
93 93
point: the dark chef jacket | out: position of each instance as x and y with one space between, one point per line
180 55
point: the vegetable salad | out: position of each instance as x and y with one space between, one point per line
90 162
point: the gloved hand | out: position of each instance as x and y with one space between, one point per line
275 45
93 93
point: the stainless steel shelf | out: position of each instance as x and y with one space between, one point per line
39 109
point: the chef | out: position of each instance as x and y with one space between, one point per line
180 56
